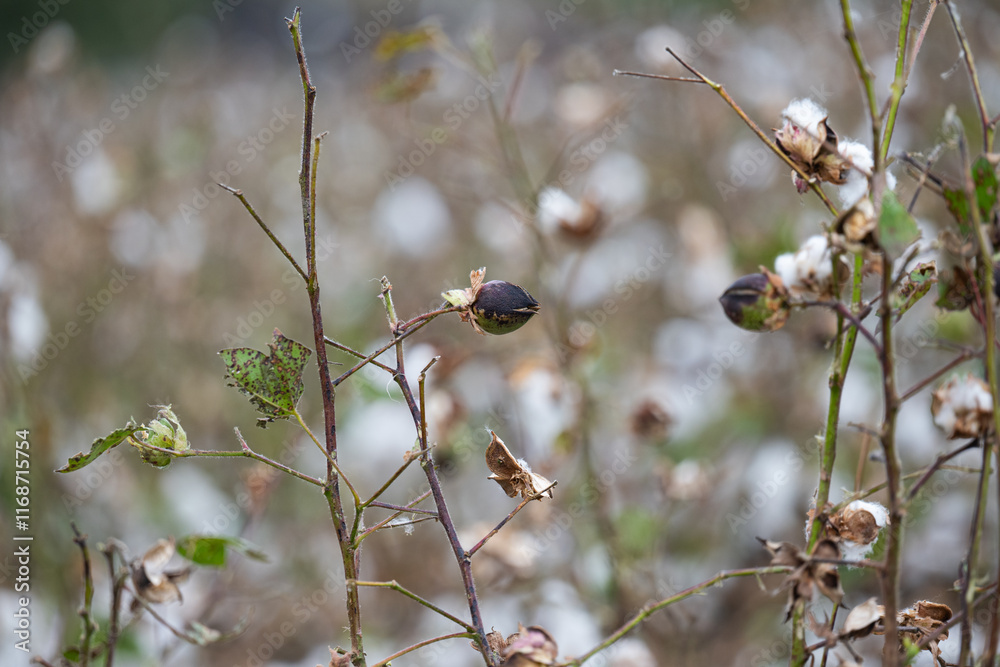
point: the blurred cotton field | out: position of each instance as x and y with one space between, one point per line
625 206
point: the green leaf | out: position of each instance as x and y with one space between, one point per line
72 654
984 176
273 382
100 446
987 186
955 290
210 550
896 227
958 204
913 287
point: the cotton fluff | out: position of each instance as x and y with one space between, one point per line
963 407
856 185
555 206
806 114
809 268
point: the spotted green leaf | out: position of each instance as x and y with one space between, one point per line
273 381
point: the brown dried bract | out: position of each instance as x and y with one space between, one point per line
923 619
152 581
650 420
855 525
513 475
808 575
532 647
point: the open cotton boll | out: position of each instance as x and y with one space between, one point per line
808 269
806 114
554 207
963 407
856 184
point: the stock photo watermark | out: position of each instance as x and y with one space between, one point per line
87 311
121 108
248 150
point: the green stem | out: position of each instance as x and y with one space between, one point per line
457 635
649 610
899 80
413 596
847 337
989 335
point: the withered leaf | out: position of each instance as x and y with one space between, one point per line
513 475
532 647
862 619
153 582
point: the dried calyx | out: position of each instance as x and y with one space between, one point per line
496 307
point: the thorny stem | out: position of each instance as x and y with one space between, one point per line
717 87
427 463
651 609
349 554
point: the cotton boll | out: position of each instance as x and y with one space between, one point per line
809 268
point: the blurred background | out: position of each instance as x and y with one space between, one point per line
460 134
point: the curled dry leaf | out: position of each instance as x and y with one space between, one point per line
513 475
496 643
338 659
862 620
808 575
922 620
153 582
531 647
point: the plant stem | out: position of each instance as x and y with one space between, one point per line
413 596
717 87
349 554
985 269
427 463
408 649
898 86
88 598
988 126
267 230
479 545
649 610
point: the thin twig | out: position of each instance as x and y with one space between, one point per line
89 626
394 585
701 78
938 462
651 609
988 126
414 647
479 545
267 230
